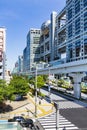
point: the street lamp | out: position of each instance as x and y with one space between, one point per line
36 92
56 105
49 85
34 67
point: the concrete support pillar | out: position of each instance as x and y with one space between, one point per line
77 83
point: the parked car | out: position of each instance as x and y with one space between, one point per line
18 97
30 122
17 118
24 122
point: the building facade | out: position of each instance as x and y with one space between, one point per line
2 52
18 68
25 59
20 64
31 53
61 39
76 32
45 48
68 33
15 69
47 39
71 31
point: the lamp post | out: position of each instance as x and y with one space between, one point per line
36 92
57 115
49 84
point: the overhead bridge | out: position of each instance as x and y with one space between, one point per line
71 67
75 69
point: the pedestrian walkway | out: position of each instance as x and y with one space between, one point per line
27 108
44 108
49 123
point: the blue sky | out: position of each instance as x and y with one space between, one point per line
18 16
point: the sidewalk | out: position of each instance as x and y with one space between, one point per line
43 108
27 108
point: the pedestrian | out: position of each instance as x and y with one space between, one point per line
64 128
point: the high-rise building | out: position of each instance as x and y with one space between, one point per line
2 52
25 59
47 39
32 48
61 39
71 32
20 64
76 30
16 68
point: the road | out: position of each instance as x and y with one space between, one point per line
73 111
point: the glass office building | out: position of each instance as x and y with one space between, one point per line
70 36
61 39
31 53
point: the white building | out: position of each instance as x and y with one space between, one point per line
2 52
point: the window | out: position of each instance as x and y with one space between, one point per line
77 26
85 3
70 51
42 38
0 73
70 31
85 46
0 67
85 21
78 48
1 58
36 59
69 13
36 50
36 40
77 6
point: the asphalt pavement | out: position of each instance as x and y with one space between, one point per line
77 116
75 111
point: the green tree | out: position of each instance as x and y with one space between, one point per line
19 85
3 94
40 82
10 92
2 83
45 78
32 80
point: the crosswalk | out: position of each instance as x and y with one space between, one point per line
49 123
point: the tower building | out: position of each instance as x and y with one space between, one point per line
2 52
